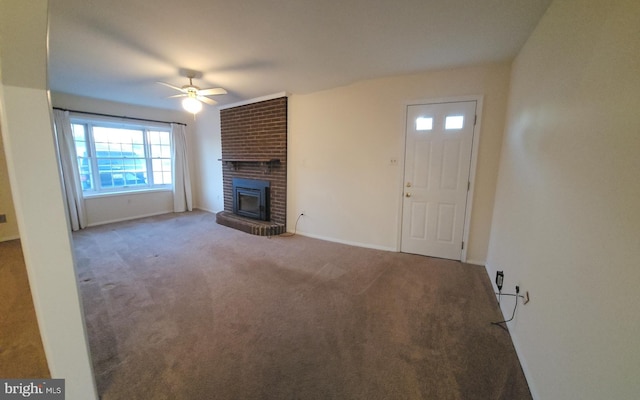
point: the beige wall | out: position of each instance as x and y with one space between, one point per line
9 230
341 142
121 207
566 225
207 172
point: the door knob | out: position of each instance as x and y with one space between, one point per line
407 194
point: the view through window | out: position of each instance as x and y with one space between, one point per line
118 157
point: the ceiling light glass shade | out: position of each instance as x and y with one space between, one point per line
192 105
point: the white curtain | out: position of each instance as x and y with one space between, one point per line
181 176
70 175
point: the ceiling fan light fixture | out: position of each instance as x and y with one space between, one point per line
192 105
193 95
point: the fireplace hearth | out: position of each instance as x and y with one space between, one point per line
250 211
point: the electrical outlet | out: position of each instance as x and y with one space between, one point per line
3 218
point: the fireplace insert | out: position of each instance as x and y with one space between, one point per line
251 198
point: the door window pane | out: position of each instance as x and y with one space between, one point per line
424 123
454 122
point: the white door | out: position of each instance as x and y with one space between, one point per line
439 140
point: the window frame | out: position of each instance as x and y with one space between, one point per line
89 122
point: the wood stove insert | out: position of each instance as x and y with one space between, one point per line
251 198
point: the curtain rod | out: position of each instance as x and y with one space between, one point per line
118 116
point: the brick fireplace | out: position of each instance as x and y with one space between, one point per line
254 148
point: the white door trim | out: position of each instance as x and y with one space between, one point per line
472 171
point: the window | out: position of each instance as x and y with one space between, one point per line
454 122
424 123
116 157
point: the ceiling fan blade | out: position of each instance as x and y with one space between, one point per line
211 92
172 87
178 95
206 100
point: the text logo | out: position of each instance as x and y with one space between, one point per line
40 389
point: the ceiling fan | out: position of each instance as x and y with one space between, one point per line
194 96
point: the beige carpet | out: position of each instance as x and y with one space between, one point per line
21 352
179 307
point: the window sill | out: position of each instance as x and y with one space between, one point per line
95 195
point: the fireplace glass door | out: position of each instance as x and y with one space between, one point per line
249 203
251 198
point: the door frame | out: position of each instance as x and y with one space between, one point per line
472 169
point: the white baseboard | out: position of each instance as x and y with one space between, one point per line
206 209
129 218
476 262
10 237
514 339
347 242
523 364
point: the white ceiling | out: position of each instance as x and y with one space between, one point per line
117 49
